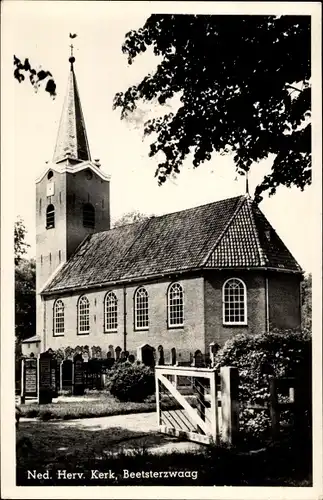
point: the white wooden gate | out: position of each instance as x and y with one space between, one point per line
198 404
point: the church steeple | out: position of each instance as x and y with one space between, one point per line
72 143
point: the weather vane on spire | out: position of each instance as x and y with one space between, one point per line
72 58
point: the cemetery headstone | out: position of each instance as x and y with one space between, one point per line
78 379
118 352
161 357
148 355
131 358
30 377
173 356
45 378
67 369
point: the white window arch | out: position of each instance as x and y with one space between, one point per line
59 318
141 309
234 300
110 312
83 314
175 305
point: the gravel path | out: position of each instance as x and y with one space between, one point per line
137 422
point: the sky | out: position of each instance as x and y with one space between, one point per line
39 30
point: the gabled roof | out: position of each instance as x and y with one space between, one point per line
231 233
35 338
71 138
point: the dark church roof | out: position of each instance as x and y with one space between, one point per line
231 233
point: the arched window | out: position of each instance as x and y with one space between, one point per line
88 215
110 312
175 305
59 319
50 216
83 315
141 309
234 302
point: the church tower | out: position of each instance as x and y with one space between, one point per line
72 195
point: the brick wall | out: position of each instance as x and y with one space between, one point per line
284 300
215 331
187 339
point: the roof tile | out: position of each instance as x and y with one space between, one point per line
227 233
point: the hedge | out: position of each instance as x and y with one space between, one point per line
257 357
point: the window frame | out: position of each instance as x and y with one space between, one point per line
48 226
109 294
169 306
55 333
79 331
135 310
224 303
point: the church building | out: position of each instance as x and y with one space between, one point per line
182 280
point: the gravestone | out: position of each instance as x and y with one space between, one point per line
198 360
45 378
67 370
131 358
55 377
30 377
173 356
78 378
146 355
161 357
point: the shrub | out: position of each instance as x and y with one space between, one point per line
280 354
128 382
45 415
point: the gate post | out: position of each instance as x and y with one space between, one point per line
214 407
229 403
157 398
22 387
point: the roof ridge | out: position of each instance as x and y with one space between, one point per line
240 204
262 256
170 213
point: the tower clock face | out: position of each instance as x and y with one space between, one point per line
50 188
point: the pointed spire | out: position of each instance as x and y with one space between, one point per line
72 140
247 184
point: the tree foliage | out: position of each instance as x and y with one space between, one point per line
20 245
130 218
36 77
25 286
25 299
244 87
307 301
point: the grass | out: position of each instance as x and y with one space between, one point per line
57 445
92 405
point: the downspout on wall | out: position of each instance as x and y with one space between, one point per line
124 319
267 305
44 322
